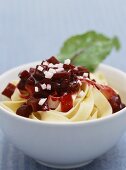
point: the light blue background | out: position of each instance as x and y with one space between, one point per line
35 29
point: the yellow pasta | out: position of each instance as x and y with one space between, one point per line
12 105
101 103
91 105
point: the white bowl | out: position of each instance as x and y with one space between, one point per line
65 145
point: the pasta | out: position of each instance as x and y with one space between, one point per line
57 92
92 105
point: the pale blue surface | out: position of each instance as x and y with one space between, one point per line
34 29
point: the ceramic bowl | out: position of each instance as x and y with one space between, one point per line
65 145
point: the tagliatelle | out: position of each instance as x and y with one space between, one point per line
12 105
85 108
77 101
53 116
99 77
61 92
91 105
94 114
101 103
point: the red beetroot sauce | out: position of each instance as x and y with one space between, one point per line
113 98
66 102
63 85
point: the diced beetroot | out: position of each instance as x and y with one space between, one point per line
68 66
73 87
39 93
59 87
25 110
30 85
56 88
24 75
21 85
31 70
66 102
61 75
45 81
31 81
33 102
38 75
53 60
82 70
9 90
65 85
73 77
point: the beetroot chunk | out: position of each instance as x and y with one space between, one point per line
53 60
24 75
21 85
38 75
29 85
25 110
61 76
68 67
31 70
33 102
9 90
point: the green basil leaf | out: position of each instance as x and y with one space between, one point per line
88 49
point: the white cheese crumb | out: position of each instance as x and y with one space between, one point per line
56 65
59 70
52 70
81 94
36 89
48 86
67 61
43 86
75 68
79 77
40 68
48 74
79 82
42 101
60 65
87 78
51 65
45 63
85 74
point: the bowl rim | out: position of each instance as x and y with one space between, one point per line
94 121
